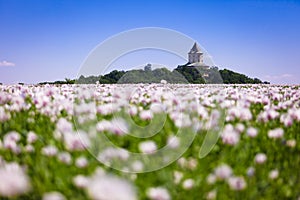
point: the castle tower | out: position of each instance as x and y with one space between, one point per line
195 54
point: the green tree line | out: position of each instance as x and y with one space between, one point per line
182 74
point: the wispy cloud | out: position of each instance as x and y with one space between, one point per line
281 76
282 79
5 63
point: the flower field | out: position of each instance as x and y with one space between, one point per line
149 141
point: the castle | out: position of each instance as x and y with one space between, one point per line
195 54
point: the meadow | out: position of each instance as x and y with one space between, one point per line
149 141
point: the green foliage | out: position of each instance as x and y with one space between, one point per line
152 76
66 81
148 67
230 77
191 74
69 81
182 74
112 77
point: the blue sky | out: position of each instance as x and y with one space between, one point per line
49 40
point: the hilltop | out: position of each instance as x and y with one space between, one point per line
181 74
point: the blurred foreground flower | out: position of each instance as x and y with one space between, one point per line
276 133
273 174
237 183
53 196
260 158
108 187
223 172
13 180
148 147
158 193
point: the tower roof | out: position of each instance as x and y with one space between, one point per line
195 49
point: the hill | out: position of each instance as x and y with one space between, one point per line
182 74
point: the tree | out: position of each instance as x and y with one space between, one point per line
236 78
182 74
147 67
191 74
